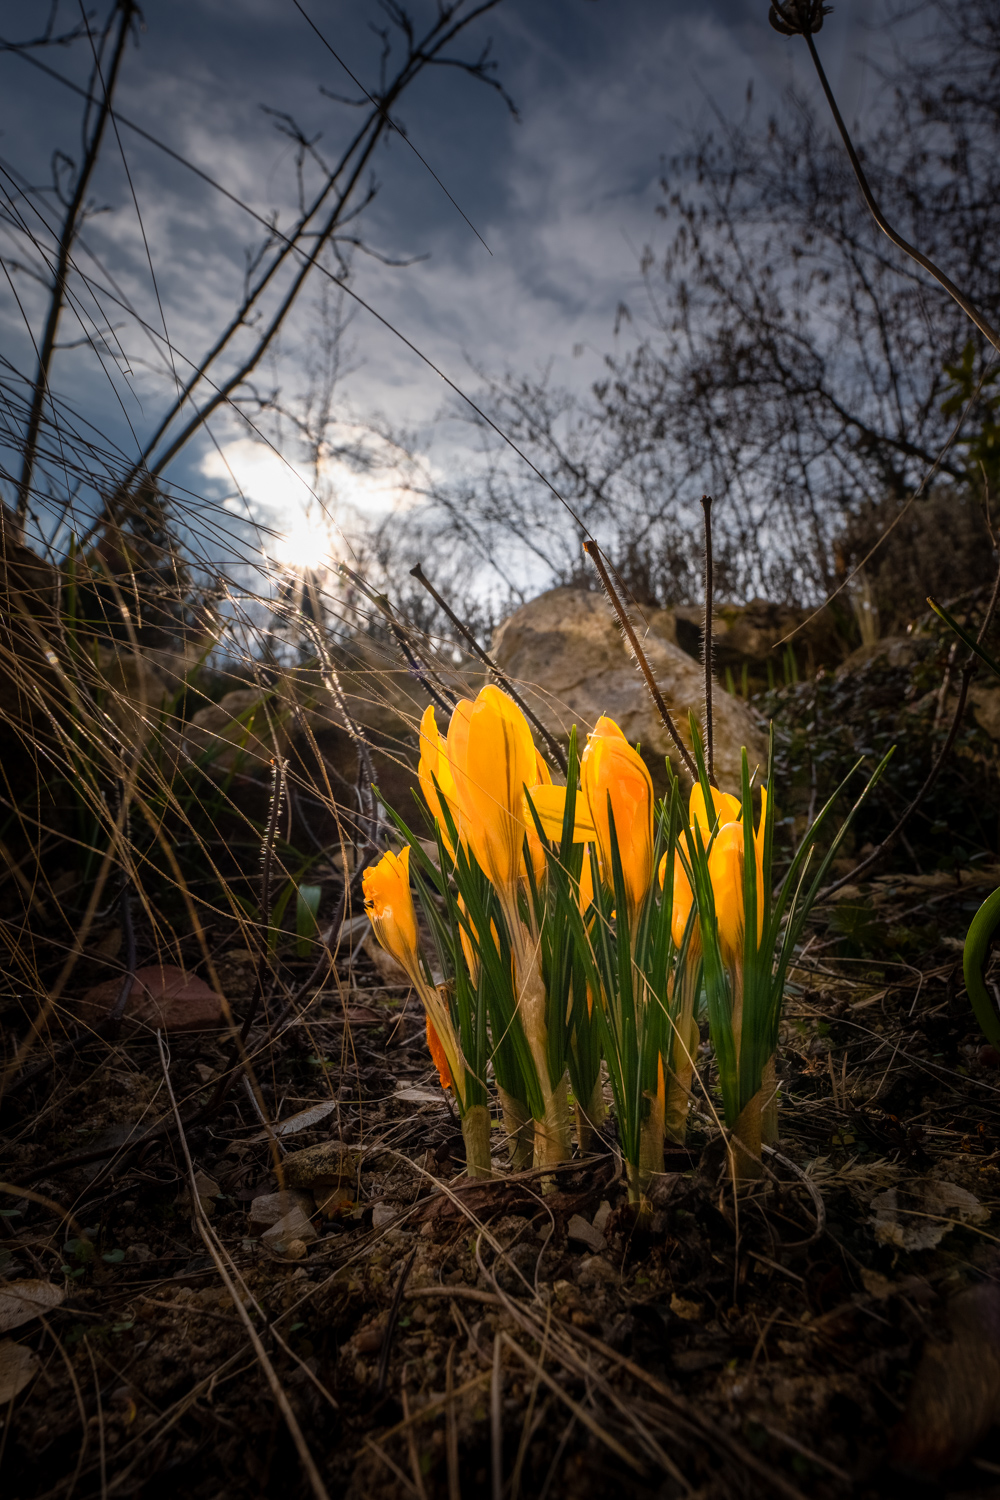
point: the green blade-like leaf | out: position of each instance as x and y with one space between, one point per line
964 635
981 930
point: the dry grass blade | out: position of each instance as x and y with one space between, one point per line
451 1428
277 1390
411 1448
707 1431
102 1454
394 1468
74 1382
390 1327
565 1350
592 1426
496 1418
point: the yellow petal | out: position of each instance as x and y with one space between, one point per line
727 809
550 804
611 770
725 869
500 761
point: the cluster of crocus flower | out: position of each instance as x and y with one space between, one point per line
561 947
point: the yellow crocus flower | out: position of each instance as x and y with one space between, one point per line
493 759
611 771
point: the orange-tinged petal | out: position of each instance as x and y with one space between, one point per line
389 907
438 1055
586 891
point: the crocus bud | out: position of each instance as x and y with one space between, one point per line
727 809
389 908
682 901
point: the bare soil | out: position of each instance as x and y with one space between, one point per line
833 1330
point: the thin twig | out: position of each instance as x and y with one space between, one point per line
75 211
706 505
593 551
439 692
552 744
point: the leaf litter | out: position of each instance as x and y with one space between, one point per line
731 1353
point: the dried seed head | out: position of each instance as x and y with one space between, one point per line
798 17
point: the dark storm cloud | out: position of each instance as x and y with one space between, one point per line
564 195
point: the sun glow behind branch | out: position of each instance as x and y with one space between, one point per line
301 516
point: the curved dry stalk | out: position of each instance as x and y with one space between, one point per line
803 18
706 505
556 751
593 551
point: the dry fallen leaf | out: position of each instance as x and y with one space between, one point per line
919 1216
415 1095
300 1121
20 1301
18 1365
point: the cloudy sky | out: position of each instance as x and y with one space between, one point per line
563 195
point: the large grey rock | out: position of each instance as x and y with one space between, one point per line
567 656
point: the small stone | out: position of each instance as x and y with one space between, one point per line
369 1340
586 1234
687 1311
326 1165
295 1250
294 1226
139 1253
207 1189
270 1207
594 1270
602 1216
384 1214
